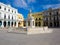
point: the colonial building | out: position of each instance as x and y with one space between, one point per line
8 16
52 17
21 20
38 17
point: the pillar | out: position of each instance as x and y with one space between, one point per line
27 23
52 23
48 23
13 24
10 23
6 23
41 23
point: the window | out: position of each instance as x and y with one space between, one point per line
39 18
12 11
39 23
9 17
5 16
57 18
4 8
8 9
12 23
57 13
33 23
28 23
36 18
0 7
15 23
12 17
50 13
8 23
15 11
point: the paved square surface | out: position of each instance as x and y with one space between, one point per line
23 39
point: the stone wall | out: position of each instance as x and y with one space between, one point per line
38 30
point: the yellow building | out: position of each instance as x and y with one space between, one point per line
21 19
38 19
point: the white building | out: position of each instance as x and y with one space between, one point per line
8 16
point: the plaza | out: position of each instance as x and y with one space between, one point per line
23 39
28 22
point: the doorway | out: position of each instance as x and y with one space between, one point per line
4 23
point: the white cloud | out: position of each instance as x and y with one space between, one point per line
31 1
51 6
23 4
20 3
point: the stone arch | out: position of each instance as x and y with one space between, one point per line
8 23
0 23
15 23
39 24
12 24
4 23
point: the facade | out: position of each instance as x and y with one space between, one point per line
21 20
8 16
38 17
52 17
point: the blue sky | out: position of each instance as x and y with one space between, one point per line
24 6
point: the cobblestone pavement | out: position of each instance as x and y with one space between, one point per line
23 39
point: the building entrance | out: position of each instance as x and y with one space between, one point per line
8 23
4 23
12 24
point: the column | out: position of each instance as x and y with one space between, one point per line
52 24
48 23
41 23
17 24
31 23
2 24
13 24
10 24
56 24
27 23
34 23
6 23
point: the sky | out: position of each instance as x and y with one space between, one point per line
24 6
